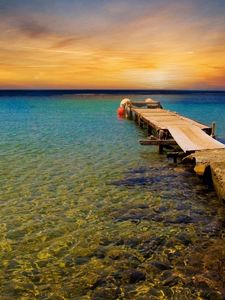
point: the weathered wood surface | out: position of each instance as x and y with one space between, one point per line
158 142
162 118
191 138
187 133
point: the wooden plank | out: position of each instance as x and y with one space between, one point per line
154 124
202 126
192 138
159 124
158 142
164 122
160 118
142 110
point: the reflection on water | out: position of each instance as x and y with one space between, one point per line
87 213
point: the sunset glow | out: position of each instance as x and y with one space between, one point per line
112 44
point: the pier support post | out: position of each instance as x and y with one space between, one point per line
138 120
160 149
149 129
141 123
213 132
128 112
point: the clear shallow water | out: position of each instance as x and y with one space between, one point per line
88 213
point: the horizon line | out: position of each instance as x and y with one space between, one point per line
105 89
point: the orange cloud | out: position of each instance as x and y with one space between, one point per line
118 45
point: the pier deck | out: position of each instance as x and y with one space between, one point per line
192 138
188 134
161 118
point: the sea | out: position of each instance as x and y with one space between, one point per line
86 212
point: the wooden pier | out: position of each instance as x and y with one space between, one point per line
181 137
166 128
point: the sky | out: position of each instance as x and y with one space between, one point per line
112 44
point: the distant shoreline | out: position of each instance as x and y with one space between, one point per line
52 92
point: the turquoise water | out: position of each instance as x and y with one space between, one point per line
88 213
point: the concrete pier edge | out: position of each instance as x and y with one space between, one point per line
213 160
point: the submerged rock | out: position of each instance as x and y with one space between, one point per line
80 260
173 255
99 283
161 266
150 246
184 238
182 219
210 294
106 293
144 181
214 228
157 218
133 217
166 274
137 276
167 291
160 209
142 206
131 242
156 293
117 275
105 242
123 255
100 253
171 281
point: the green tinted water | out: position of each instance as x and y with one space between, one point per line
87 213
